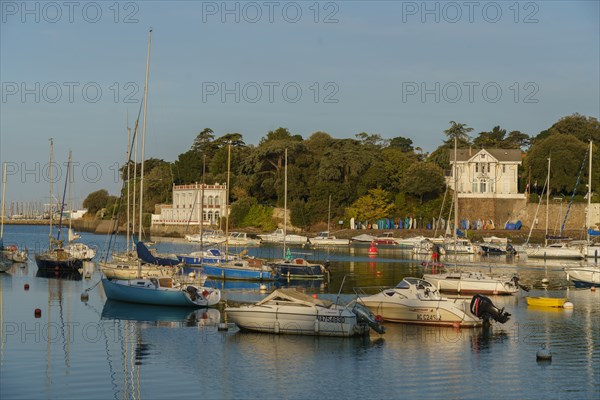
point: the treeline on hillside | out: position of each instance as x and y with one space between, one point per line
367 177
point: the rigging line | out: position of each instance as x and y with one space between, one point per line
562 228
536 212
115 217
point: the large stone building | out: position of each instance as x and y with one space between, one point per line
486 173
188 203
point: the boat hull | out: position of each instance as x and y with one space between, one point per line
297 320
584 277
444 312
137 291
563 253
230 272
46 262
546 301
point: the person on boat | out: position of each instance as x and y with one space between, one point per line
435 255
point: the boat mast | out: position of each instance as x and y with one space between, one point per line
133 200
455 192
144 135
588 218
227 201
284 201
70 178
329 217
62 204
547 203
128 182
201 218
51 177
3 195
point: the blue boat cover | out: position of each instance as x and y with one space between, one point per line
591 232
145 255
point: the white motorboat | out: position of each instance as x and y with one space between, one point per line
325 239
459 246
559 250
241 239
584 276
288 311
364 238
409 243
473 282
278 236
417 301
80 251
208 237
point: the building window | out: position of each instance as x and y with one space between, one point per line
476 167
489 166
210 217
217 200
483 186
217 216
474 186
204 216
177 201
210 200
503 168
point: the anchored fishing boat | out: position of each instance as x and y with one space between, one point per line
288 311
417 301
588 276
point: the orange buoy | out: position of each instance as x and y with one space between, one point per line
26 286
593 289
372 250
378 273
314 296
37 313
456 324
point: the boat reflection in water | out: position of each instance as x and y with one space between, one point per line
161 315
70 275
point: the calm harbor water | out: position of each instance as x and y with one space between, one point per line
99 349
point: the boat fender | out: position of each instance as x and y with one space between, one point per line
205 293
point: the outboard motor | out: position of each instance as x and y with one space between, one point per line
365 315
483 308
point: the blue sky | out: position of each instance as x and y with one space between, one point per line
391 68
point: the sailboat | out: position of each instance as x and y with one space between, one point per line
11 253
324 238
77 250
557 250
587 276
291 268
470 282
236 268
162 290
56 258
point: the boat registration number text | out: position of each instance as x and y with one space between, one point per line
331 318
428 317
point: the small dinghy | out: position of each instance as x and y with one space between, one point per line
547 301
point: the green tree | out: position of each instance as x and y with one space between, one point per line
373 206
566 154
402 143
582 127
458 131
492 139
96 201
424 179
203 141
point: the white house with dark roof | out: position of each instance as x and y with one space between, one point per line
486 173
187 205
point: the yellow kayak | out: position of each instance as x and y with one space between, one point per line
546 301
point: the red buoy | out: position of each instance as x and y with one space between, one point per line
378 273
37 313
372 250
26 286
314 296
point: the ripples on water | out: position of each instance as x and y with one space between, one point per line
103 349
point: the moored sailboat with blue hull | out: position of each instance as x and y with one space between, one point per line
159 291
250 270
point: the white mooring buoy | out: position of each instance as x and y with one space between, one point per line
543 354
568 304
